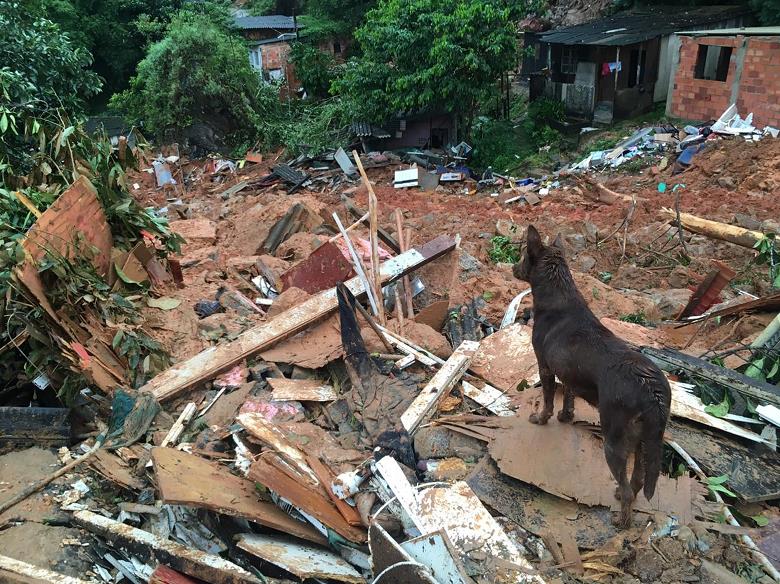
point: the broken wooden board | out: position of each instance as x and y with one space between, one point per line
569 462
389 558
489 397
45 427
434 315
326 478
506 358
753 471
690 407
32 573
211 486
209 363
150 547
76 211
323 269
312 501
537 510
425 404
301 560
115 470
313 348
301 390
483 545
275 439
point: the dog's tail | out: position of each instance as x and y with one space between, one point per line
654 418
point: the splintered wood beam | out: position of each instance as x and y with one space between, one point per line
148 547
439 386
12 566
209 363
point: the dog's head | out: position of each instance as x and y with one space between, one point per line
534 254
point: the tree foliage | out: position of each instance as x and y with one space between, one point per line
116 32
314 68
334 18
422 55
46 66
198 72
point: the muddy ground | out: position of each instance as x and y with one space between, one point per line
635 270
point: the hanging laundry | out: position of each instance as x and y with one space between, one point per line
616 66
605 69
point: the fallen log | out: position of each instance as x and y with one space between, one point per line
714 229
212 361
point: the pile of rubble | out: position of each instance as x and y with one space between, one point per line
334 414
665 142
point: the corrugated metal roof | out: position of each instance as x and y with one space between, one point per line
275 22
366 130
747 31
635 26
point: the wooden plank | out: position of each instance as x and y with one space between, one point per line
326 477
301 560
272 437
474 532
172 437
490 398
770 414
209 363
115 470
12 566
714 229
301 390
439 386
48 427
211 486
396 481
313 502
759 390
150 547
753 471
690 407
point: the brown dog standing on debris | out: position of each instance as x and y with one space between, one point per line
570 343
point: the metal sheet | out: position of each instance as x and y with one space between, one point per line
302 560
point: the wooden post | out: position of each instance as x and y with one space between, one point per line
373 237
404 243
370 292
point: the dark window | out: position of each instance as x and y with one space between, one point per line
337 47
568 60
636 67
439 137
712 62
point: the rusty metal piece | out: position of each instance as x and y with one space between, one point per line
323 269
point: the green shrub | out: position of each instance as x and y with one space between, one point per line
502 250
198 72
314 68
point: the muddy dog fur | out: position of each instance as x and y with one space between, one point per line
632 395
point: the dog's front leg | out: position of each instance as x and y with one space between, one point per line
566 414
548 390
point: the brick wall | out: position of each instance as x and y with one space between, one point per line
759 89
757 73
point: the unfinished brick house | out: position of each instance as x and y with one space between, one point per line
269 40
717 68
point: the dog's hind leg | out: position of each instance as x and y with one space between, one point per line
638 473
548 391
566 415
616 453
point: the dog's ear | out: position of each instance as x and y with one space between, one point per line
558 243
533 242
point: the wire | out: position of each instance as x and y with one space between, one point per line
393 567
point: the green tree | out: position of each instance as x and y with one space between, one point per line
314 68
334 18
50 70
768 11
422 55
199 72
116 32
